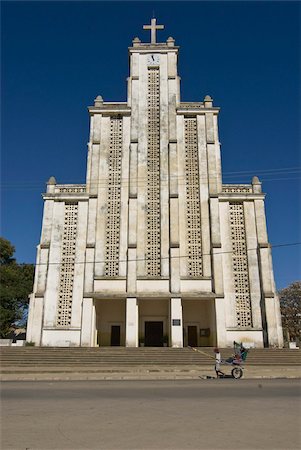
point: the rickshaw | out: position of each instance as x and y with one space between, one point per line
236 361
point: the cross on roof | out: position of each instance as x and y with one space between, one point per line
153 27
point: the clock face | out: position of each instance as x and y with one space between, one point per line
153 60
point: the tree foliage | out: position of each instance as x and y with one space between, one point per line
16 285
290 304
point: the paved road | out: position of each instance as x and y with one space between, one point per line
194 414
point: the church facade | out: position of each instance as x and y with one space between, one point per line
154 249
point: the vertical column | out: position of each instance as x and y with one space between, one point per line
131 339
271 307
227 262
279 329
175 283
182 196
89 270
132 271
125 163
79 266
271 320
102 206
218 245
221 330
251 241
210 137
204 196
176 318
87 328
47 222
93 154
142 88
164 167
41 270
35 319
217 155
90 250
52 285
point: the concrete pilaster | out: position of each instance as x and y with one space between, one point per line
102 199
254 280
79 267
132 231
52 286
210 138
92 212
87 328
132 271
142 167
204 196
133 182
221 327
260 222
35 320
47 222
226 249
277 304
164 169
89 270
173 169
131 322
217 244
176 325
41 270
271 319
135 110
175 282
182 196
174 221
124 198
217 155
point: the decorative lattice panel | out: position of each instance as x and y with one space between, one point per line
193 216
67 266
114 198
153 234
236 188
79 189
240 265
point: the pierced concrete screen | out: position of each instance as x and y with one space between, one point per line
192 182
67 266
153 234
114 199
240 265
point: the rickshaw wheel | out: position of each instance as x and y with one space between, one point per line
237 373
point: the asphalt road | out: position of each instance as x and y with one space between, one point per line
194 414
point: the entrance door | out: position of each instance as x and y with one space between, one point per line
153 334
192 335
115 335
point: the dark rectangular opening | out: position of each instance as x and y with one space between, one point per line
153 334
115 335
192 335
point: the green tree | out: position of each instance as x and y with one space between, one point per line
290 304
16 284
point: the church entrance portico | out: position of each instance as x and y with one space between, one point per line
110 322
153 322
199 323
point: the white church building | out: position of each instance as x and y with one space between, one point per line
154 249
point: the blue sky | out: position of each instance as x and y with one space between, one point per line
58 56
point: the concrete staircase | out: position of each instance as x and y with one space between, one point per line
80 359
